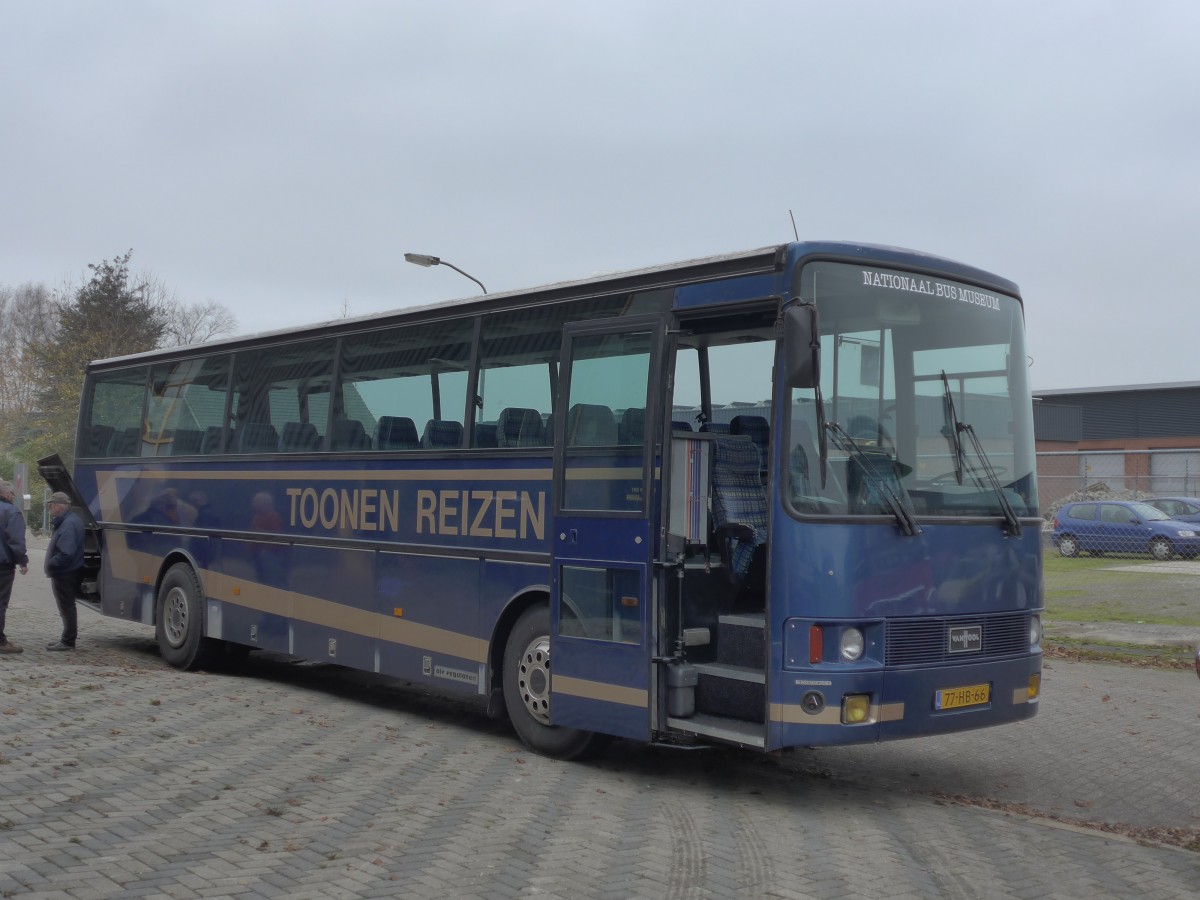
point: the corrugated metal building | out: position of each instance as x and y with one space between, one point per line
1138 416
1140 438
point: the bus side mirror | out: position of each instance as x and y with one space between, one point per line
801 346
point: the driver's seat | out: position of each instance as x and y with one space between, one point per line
739 508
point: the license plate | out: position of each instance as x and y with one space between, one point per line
955 698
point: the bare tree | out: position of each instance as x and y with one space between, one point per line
27 320
196 323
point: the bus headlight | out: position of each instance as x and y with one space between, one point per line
1035 630
851 644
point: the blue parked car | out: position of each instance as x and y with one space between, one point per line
1182 509
1119 526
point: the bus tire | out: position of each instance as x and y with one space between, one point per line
179 619
526 679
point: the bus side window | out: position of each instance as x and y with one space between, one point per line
114 404
517 371
390 380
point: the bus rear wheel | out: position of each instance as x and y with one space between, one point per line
526 679
179 619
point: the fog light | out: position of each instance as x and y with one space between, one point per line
1035 685
1035 630
856 709
852 644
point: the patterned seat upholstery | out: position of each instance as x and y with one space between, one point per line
678 425
442 434
631 430
97 439
349 434
739 502
396 433
758 429
715 428
124 443
299 437
591 425
214 440
519 427
485 434
257 437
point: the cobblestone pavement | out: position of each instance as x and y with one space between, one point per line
124 778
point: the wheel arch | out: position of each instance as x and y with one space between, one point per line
517 604
176 556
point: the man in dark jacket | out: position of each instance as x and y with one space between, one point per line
64 566
12 556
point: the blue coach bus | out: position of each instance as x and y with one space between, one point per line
773 498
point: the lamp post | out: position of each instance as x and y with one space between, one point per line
421 259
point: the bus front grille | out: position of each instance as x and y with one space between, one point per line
926 641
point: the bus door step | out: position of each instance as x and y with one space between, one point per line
742 640
730 731
735 692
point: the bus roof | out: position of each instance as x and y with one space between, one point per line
761 260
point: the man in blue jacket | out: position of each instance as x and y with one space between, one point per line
12 556
64 566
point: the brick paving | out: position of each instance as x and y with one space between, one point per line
124 778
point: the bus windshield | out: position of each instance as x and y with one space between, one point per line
922 408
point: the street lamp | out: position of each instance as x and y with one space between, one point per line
420 259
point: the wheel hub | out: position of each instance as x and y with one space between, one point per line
533 678
175 617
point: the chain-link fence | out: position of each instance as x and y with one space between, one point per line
1118 474
1108 554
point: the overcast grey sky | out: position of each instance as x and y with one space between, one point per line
280 157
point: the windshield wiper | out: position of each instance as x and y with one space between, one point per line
822 444
952 429
1010 514
956 429
904 516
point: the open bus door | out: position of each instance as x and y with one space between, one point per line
54 472
602 545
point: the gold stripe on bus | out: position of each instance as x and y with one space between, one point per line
142 568
328 614
794 714
599 690
129 565
891 712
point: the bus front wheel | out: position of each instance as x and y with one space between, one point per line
179 619
527 689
